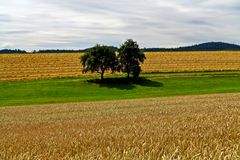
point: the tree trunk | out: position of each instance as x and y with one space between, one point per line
128 75
102 75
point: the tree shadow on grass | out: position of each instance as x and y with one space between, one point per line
125 83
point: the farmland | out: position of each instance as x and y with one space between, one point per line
188 109
186 127
38 66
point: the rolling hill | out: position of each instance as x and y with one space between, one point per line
209 46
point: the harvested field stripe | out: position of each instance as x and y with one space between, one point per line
39 66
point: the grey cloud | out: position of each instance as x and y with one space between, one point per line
4 18
17 32
199 22
34 24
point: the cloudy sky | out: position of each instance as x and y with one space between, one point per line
74 24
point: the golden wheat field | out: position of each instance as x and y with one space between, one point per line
35 66
187 127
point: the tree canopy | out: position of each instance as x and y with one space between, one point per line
99 59
130 57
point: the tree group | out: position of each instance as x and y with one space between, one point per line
102 58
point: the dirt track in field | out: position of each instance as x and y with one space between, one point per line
185 127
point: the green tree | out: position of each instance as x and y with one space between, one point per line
130 58
99 59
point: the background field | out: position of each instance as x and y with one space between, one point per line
189 127
35 66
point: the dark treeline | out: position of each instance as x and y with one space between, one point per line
210 46
59 51
12 51
66 51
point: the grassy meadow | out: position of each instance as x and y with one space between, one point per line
63 90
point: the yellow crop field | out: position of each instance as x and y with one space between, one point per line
187 127
191 61
35 66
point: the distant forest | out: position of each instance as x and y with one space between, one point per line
9 51
12 51
210 46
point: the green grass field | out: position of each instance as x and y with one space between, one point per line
154 85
